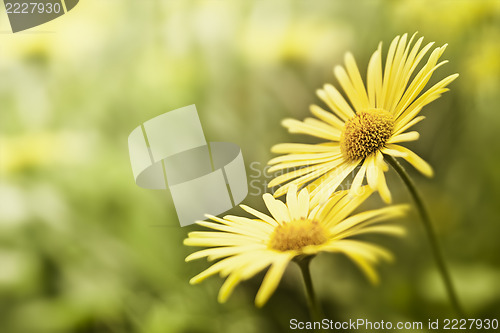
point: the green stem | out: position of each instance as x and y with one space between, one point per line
314 308
436 250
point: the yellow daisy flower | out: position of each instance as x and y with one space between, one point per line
373 124
247 246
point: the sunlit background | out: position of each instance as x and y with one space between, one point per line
83 249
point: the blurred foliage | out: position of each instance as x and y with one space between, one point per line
82 249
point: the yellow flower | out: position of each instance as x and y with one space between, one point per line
373 124
247 246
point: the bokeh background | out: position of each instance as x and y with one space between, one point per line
83 249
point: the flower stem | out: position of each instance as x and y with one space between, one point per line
314 308
428 226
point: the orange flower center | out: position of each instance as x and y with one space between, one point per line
297 234
366 133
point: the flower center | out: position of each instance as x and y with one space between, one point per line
296 234
366 133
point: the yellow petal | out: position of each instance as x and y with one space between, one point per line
260 215
271 280
407 70
310 158
365 266
295 126
393 152
257 226
358 180
314 172
404 137
345 205
303 203
400 127
327 117
306 174
292 202
219 252
246 271
352 83
277 208
396 71
321 124
420 81
386 84
374 77
322 189
372 172
356 80
221 241
393 230
414 160
359 255
228 287
286 148
370 216
383 190
430 95
334 99
214 269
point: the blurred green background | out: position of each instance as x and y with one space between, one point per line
83 249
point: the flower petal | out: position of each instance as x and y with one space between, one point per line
259 215
342 205
393 230
358 180
368 217
334 99
292 202
404 137
286 148
272 279
374 77
400 127
352 83
303 203
277 208
312 158
420 81
322 188
372 172
225 251
249 269
383 190
295 126
414 160
386 84
430 95
306 174
327 117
